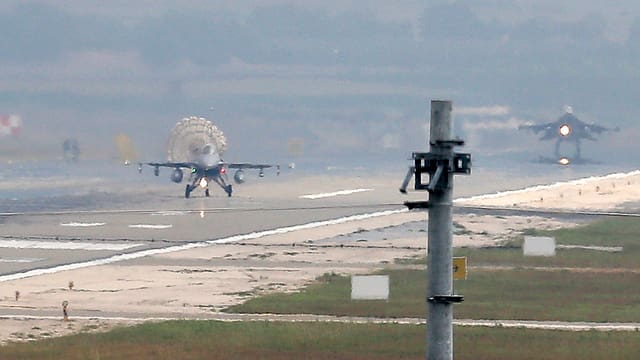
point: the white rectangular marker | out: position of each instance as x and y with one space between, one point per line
370 287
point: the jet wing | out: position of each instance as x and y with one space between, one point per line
536 128
189 165
597 129
247 166
176 165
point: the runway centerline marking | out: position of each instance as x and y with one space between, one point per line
149 226
169 213
235 238
332 194
79 224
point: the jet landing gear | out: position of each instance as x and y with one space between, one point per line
190 187
223 184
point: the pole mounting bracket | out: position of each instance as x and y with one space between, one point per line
446 299
439 167
413 205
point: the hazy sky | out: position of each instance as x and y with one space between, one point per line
342 76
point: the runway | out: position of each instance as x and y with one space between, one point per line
101 255
43 235
46 239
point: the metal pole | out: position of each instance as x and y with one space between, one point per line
439 253
441 163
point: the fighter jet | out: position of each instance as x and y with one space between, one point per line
207 167
196 146
568 128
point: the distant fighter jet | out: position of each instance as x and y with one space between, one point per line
204 163
70 150
568 128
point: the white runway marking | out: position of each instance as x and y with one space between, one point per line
236 238
169 213
20 260
79 224
149 226
332 194
63 245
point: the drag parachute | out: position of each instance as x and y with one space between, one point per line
190 135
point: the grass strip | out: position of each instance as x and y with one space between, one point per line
510 294
265 340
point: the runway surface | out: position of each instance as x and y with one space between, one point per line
93 219
44 237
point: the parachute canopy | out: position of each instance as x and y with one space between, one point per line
190 135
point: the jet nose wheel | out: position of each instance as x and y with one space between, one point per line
206 192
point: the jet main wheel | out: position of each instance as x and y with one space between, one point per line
206 193
187 191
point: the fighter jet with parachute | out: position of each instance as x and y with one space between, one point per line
568 128
197 145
